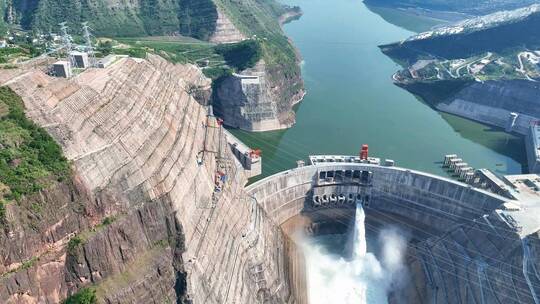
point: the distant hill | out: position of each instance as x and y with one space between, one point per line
497 32
485 68
196 18
474 7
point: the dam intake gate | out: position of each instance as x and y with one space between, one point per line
341 189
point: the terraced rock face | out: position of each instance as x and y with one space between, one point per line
254 101
265 102
225 31
148 224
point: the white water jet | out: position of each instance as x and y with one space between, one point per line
360 243
359 280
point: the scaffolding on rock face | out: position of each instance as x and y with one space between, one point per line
224 165
207 126
225 173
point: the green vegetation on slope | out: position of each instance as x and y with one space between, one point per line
29 157
195 18
260 18
500 39
216 60
3 24
83 296
19 52
241 55
175 51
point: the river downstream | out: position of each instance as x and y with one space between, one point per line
351 100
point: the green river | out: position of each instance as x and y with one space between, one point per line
351 100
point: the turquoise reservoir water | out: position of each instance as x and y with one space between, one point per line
351 100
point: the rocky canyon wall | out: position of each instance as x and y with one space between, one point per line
141 218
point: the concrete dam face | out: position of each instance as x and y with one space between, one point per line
463 247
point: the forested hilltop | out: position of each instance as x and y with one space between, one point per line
112 18
195 18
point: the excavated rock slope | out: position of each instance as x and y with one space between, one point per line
133 133
225 31
250 101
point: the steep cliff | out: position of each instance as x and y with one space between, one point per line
258 99
491 102
75 233
141 218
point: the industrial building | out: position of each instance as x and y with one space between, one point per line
62 69
106 61
80 59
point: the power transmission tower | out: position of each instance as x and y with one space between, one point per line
67 42
89 47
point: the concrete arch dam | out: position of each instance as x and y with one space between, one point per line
464 247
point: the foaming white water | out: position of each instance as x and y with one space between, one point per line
360 243
360 280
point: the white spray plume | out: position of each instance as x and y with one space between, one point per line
394 246
363 279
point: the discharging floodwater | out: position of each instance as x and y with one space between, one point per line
351 100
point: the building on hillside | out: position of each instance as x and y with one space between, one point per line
80 59
106 61
62 69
